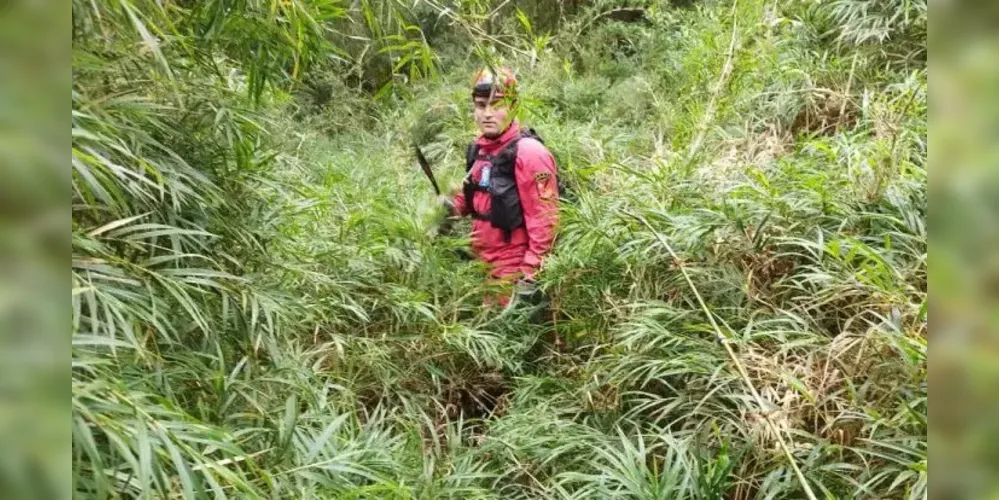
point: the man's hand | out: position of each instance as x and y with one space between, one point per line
526 290
525 296
447 204
447 219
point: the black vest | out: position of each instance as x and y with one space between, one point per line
505 211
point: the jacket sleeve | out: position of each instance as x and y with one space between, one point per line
537 186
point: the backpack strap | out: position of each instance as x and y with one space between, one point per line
533 134
470 154
469 188
507 158
504 164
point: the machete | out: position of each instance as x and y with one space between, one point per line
425 165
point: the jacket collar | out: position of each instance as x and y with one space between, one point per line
512 131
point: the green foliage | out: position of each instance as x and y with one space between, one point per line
263 306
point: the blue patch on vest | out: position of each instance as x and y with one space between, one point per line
485 175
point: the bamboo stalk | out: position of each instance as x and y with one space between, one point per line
735 360
709 112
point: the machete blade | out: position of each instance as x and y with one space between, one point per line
425 165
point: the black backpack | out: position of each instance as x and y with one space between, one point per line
506 212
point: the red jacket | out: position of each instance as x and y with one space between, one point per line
536 184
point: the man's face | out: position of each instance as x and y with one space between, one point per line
491 116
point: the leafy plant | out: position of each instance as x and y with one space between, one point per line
263 306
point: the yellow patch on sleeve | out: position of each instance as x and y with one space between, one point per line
545 186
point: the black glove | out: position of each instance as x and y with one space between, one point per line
447 204
526 297
526 291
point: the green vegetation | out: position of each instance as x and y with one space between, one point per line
262 306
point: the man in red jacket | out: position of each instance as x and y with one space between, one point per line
510 189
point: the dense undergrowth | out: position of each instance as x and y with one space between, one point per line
262 306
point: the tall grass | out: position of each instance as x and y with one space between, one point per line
263 305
